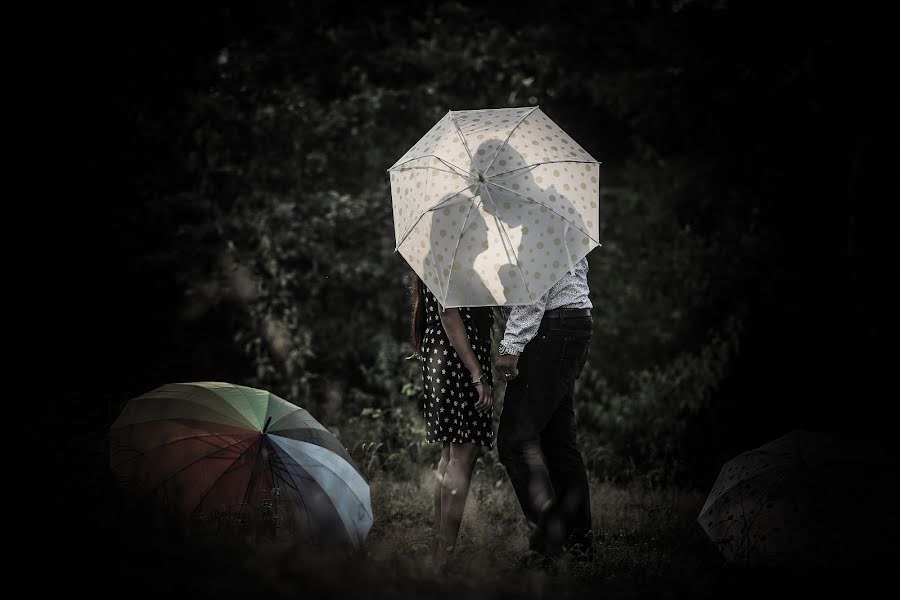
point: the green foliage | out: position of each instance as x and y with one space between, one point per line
641 432
291 222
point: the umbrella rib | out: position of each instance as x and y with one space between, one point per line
164 444
764 471
505 236
309 519
196 391
347 526
463 140
323 465
343 482
319 437
285 475
226 401
435 207
249 401
219 478
240 423
547 162
449 200
310 424
550 208
458 170
313 481
281 470
427 173
194 462
456 248
270 398
451 171
448 163
252 479
509 135
284 416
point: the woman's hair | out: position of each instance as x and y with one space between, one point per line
417 325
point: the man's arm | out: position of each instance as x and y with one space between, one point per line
522 323
521 326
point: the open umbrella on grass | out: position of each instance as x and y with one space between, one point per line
214 448
805 498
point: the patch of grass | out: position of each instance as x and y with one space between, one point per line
637 532
647 543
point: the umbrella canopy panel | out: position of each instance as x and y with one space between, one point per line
491 207
219 448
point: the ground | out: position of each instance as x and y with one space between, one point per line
647 544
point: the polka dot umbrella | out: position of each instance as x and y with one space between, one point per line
807 497
216 448
492 207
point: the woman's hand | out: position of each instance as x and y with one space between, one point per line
485 397
456 333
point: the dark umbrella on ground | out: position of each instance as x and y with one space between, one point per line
806 497
220 449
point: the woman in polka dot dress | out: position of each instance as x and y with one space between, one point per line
454 348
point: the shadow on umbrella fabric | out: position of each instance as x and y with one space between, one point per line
512 226
806 498
492 207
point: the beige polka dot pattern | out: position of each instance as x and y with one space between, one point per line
491 207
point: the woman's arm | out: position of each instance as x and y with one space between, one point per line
456 333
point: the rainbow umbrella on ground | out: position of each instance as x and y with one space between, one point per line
217 448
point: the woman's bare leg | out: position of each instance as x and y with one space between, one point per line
454 492
439 475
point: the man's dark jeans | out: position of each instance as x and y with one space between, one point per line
536 436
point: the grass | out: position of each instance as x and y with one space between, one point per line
636 531
647 544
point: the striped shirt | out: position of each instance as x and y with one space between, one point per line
522 321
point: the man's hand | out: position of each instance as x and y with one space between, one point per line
507 365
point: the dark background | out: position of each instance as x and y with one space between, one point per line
748 288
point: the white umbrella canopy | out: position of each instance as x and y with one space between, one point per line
491 207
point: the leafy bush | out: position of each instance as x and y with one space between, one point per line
286 215
641 432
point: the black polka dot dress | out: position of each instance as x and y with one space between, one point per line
448 399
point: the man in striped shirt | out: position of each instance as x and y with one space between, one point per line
544 349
